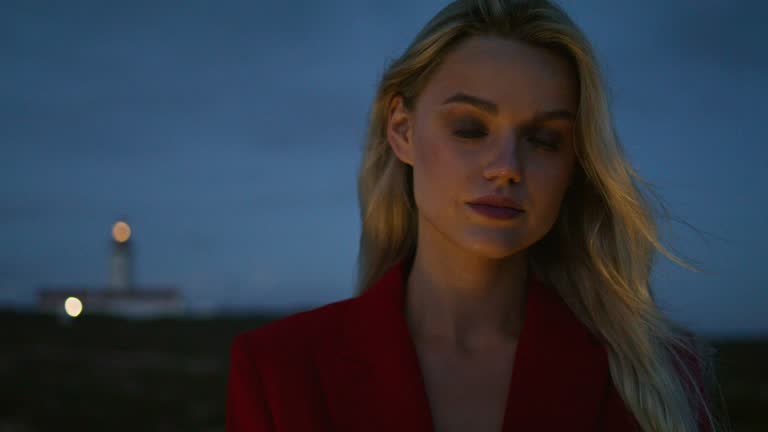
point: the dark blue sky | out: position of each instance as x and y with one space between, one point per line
228 134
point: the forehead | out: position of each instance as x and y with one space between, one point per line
518 77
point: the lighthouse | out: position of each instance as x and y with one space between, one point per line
121 295
121 259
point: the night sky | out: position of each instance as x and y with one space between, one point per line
228 134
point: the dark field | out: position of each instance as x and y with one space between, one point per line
106 374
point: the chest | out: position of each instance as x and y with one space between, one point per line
467 393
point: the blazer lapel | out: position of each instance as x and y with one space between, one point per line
373 380
560 375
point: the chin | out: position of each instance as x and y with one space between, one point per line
494 248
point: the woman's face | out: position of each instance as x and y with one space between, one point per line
480 127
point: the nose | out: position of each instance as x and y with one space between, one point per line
504 165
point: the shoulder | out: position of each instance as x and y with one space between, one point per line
275 360
294 336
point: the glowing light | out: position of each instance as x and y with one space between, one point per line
73 306
121 232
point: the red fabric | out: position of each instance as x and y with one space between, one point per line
352 366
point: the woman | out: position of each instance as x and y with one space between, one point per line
504 257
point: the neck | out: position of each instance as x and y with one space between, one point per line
463 302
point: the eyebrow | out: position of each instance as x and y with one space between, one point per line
492 108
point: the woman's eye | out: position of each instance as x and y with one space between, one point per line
475 131
470 133
545 138
544 142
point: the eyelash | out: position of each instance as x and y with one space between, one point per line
467 134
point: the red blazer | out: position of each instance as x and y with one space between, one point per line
351 366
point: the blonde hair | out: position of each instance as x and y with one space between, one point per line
599 253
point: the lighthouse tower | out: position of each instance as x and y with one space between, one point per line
121 296
121 260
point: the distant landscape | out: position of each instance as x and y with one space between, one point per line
101 373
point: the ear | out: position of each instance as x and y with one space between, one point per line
400 130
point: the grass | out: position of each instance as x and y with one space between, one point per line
103 373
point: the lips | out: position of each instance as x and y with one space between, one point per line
493 212
499 201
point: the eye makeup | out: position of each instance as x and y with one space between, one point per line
468 128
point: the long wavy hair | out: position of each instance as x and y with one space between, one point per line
599 253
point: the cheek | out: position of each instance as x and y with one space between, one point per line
428 169
549 184
428 158
438 172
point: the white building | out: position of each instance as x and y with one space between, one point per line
121 296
